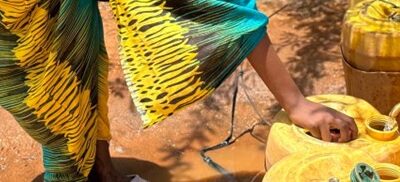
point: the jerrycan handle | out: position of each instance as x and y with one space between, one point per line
395 111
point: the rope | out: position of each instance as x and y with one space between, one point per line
231 139
279 10
228 141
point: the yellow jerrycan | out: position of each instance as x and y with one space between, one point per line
371 35
285 139
371 52
332 166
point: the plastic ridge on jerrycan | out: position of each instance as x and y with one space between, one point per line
332 166
371 52
285 139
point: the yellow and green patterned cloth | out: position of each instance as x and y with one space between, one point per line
53 65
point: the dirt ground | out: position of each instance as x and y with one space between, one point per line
307 37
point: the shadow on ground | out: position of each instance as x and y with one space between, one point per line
153 172
210 116
128 166
321 22
239 177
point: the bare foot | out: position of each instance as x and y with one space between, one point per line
103 169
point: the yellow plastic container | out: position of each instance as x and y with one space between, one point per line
285 139
388 172
375 127
325 166
371 35
371 51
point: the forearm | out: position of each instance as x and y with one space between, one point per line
271 70
317 118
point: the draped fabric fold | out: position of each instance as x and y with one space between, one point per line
175 53
53 66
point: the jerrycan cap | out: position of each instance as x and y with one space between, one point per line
382 127
362 172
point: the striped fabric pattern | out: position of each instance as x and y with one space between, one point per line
175 53
53 69
53 66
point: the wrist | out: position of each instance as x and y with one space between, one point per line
296 105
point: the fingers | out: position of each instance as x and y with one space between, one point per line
325 133
351 125
315 133
345 133
348 129
354 129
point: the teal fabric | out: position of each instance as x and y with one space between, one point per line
223 33
220 33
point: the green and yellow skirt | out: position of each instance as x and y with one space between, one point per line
53 66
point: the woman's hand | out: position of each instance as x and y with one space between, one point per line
312 116
321 121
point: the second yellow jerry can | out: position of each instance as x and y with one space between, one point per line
332 166
371 52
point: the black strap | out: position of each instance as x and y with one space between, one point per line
230 139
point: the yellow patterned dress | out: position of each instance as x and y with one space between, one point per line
53 65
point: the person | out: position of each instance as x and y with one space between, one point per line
53 71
